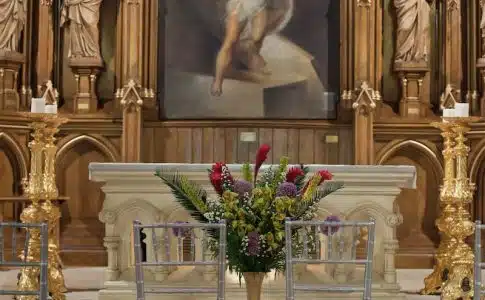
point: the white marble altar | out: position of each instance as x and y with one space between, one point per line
134 193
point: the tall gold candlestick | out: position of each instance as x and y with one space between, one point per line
42 186
434 281
453 272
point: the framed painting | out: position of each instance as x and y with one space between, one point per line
249 59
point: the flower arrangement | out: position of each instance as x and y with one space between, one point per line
254 207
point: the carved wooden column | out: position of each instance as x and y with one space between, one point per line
453 51
361 51
411 75
10 63
45 50
86 70
132 104
364 108
481 59
136 97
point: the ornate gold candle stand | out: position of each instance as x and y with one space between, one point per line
41 185
453 272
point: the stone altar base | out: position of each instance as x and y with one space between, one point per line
134 193
273 288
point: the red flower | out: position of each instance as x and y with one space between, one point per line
261 156
325 175
217 167
216 181
293 173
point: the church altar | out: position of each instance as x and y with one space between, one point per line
132 192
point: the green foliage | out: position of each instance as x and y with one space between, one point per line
279 175
187 193
247 172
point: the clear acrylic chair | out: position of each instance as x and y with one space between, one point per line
478 265
21 261
182 232
308 250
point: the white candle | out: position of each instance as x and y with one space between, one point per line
37 105
51 109
462 110
448 113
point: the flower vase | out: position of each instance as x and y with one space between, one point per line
254 283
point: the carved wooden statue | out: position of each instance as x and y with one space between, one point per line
12 20
82 19
413 20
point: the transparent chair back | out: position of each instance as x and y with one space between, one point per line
340 240
478 265
185 235
24 259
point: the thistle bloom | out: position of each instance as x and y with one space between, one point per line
286 189
241 187
253 243
180 232
324 228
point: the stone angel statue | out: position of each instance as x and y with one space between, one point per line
413 22
82 18
247 23
12 20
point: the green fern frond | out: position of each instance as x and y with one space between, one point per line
327 188
247 172
187 193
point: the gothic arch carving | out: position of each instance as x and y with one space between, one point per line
100 142
16 155
392 148
476 159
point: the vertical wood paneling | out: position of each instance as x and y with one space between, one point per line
253 147
208 145
280 143
332 151
197 145
231 145
170 143
319 147
346 144
184 145
148 149
242 147
293 145
266 137
306 146
219 144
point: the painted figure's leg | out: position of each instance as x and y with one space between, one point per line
224 57
259 24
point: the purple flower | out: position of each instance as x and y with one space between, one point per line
253 243
241 187
287 189
180 232
324 228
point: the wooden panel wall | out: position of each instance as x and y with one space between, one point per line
210 142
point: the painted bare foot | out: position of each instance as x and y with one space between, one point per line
216 88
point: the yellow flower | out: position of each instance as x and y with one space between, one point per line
312 188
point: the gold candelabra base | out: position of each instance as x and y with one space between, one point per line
452 276
41 185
